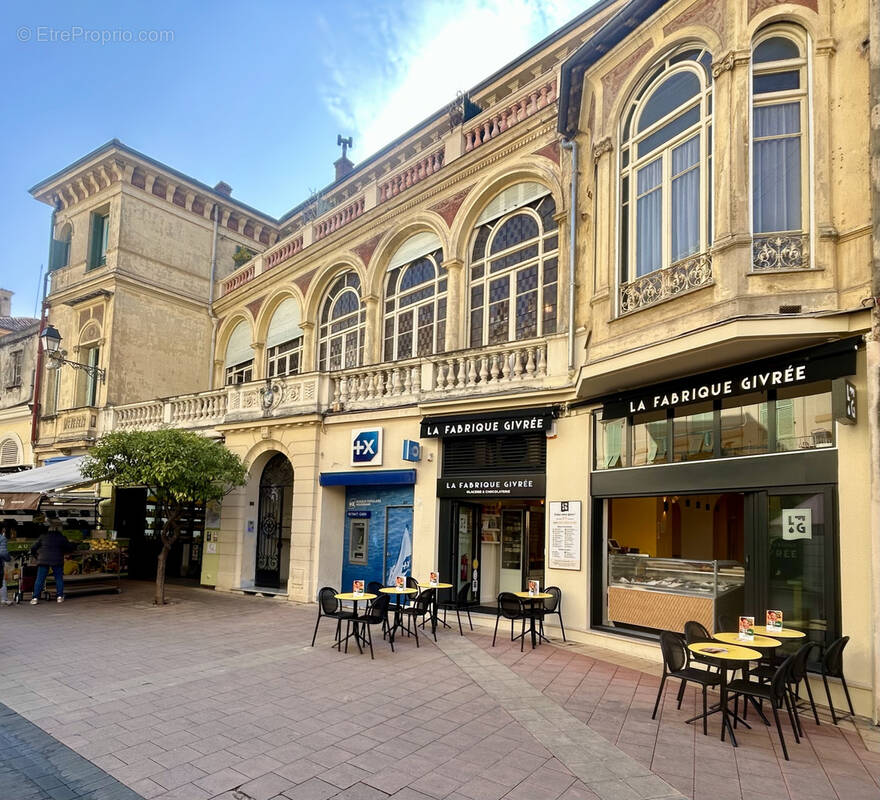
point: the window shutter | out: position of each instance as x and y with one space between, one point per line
285 323
239 348
415 247
9 453
512 198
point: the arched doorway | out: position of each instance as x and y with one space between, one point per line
276 493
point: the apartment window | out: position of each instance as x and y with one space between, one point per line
779 155
87 385
53 386
415 307
100 234
239 360
514 272
284 340
665 166
15 368
60 249
343 318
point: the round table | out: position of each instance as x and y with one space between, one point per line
776 633
438 587
730 654
531 599
760 642
355 598
398 617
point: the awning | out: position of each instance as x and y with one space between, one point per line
376 477
22 491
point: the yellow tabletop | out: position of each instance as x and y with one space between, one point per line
527 596
730 653
785 633
353 596
435 585
395 590
759 641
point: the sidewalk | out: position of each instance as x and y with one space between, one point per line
220 696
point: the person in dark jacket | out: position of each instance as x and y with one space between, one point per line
49 550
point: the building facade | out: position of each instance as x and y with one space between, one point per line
599 324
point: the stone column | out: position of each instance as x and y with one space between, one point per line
456 302
259 349
372 331
310 347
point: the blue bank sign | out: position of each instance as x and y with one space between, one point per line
366 447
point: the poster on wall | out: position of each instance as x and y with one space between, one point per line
565 534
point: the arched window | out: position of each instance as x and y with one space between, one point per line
343 317
284 340
514 268
779 151
415 300
666 167
239 362
9 452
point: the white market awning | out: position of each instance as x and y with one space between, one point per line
23 490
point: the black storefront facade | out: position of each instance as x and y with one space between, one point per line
716 495
491 497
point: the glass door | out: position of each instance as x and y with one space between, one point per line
511 573
466 554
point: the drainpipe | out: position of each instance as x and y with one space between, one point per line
38 376
216 214
571 144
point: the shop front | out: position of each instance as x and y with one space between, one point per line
715 496
491 496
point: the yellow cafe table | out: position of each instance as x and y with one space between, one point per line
355 599
759 642
779 633
397 593
530 600
730 656
438 586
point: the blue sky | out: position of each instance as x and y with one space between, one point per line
249 93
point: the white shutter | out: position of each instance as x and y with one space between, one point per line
239 348
514 197
285 323
9 453
415 247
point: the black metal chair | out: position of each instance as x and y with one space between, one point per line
459 604
420 609
676 664
376 614
552 605
374 587
775 693
329 606
695 632
511 607
832 667
798 673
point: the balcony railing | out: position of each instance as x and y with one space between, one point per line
780 251
682 277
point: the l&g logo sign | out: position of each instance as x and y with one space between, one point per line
366 447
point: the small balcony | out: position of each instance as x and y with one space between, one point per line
71 425
780 252
682 277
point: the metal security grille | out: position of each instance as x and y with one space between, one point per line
495 454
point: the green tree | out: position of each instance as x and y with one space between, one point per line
180 467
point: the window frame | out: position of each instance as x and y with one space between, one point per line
243 372
275 356
345 282
100 238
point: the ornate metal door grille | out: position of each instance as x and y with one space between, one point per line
276 488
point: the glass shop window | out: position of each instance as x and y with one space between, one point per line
744 425
609 443
694 432
650 437
803 417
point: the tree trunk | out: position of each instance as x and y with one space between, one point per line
160 575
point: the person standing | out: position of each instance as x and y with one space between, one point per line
4 557
49 550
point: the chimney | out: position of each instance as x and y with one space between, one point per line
223 188
6 303
343 166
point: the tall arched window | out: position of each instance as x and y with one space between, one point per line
779 153
239 361
665 163
284 340
514 268
343 317
415 300
89 353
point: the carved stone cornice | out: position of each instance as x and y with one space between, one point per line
730 60
601 147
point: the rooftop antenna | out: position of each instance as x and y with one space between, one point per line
344 144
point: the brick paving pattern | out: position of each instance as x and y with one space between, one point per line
220 696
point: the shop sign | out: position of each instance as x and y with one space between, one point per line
493 424
844 401
797 523
564 544
793 369
412 451
358 514
366 447
524 485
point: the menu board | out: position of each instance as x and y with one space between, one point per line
565 534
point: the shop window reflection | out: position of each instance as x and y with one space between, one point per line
744 425
609 443
694 432
803 418
650 443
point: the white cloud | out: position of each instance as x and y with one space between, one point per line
411 61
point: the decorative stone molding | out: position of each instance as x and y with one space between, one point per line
601 147
723 64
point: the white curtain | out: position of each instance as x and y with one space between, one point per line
649 218
685 212
776 193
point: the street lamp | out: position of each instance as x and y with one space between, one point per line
51 340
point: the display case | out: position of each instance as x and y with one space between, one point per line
664 593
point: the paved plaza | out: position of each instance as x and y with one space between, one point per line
220 696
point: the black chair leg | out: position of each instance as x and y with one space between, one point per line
705 713
736 708
496 630
779 731
659 695
793 713
370 641
828 695
681 693
562 627
317 622
848 700
458 615
415 630
522 636
470 621
812 702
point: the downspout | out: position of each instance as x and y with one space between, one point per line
571 144
216 214
38 376
873 339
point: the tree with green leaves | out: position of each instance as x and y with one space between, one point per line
180 467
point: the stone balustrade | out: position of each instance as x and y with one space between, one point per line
495 121
240 278
423 168
368 387
139 416
482 370
290 248
338 219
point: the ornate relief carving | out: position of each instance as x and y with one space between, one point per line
602 147
755 6
709 13
448 208
612 81
723 64
366 249
780 251
663 284
550 151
